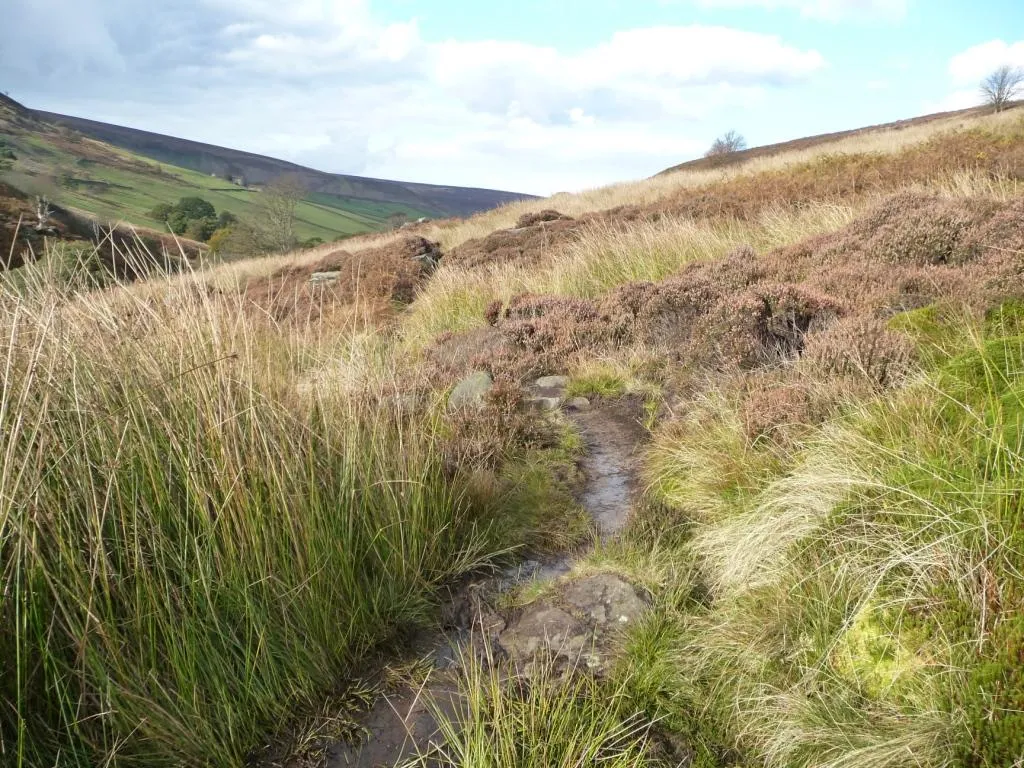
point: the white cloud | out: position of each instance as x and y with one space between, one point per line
830 10
971 66
323 83
956 100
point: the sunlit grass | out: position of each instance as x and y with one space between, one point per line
192 551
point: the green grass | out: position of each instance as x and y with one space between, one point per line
190 552
545 720
532 495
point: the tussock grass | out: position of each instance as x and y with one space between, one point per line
505 718
852 615
190 550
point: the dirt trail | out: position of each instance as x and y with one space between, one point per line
401 724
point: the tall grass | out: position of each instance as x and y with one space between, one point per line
504 717
189 550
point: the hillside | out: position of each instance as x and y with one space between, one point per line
878 134
111 184
431 199
722 468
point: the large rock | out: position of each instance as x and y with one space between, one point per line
606 600
318 278
545 628
578 404
471 391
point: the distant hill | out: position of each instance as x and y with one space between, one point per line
255 169
111 174
768 150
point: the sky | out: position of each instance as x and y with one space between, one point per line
535 96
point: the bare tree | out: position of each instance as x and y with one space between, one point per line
727 144
1002 86
278 202
272 229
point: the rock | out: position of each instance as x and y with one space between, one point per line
471 391
545 628
322 278
546 403
606 599
578 404
552 382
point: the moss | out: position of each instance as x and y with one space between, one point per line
873 655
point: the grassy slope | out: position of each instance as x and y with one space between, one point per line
115 185
842 590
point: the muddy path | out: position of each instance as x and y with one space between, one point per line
612 434
401 724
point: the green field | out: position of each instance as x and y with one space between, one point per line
117 186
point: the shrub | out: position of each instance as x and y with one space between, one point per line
769 323
540 334
201 229
861 347
219 239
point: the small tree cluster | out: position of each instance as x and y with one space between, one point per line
192 217
726 144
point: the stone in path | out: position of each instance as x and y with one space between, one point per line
574 623
606 600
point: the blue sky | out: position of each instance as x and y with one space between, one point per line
532 96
